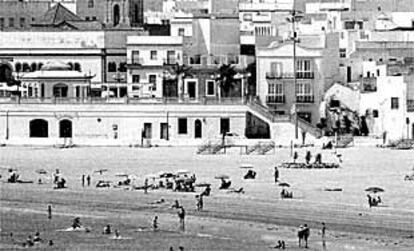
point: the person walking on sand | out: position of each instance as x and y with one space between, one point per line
155 223
323 231
181 216
276 174
146 186
88 180
83 180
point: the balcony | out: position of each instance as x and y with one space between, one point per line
410 105
305 99
137 61
170 61
289 75
275 99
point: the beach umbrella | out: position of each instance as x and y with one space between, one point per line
100 171
165 175
41 171
182 171
284 184
374 189
121 175
222 177
246 166
203 184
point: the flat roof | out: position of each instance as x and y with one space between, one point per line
156 40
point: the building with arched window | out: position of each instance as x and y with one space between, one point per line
56 80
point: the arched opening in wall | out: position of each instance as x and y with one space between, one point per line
116 15
38 128
65 129
60 90
5 73
198 129
77 67
26 67
71 66
39 66
18 67
33 67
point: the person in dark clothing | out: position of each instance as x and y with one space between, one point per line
181 216
83 180
88 180
308 157
364 127
276 174
318 158
295 156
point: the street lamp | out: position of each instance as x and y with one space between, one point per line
216 77
295 17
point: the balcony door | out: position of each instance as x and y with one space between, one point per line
171 57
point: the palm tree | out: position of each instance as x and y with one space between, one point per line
226 78
180 71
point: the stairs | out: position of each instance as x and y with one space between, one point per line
266 147
263 113
210 148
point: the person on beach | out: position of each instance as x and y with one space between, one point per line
83 180
276 174
308 157
295 156
323 232
199 202
181 216
88 180
155 223
37 237
107 229
146 186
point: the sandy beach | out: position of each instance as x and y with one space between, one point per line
254 220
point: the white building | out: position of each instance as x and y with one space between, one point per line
148 57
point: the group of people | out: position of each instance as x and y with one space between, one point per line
373 200
58 180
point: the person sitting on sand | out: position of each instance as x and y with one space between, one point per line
250 175
225 184
160 201
29 241
107 229
37 237
176 204
206 191
76 223
117 235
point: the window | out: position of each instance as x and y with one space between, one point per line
111 67
11 22
22 22
247 17
26 67
1 22
94 18
181 32
122 67
303 69
304 92
33 67
210 88
276 69
224 125
90 3
375 113
77 67
135 87
135 78
153 55
182 125
87 18
275 89
135 57
342 53
394 104
152 79
164 131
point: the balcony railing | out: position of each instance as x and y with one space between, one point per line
170 61
209 60
137 61
289 75
305 99
410 105
275 99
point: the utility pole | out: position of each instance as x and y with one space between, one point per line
295 16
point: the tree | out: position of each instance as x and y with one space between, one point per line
180 71
226 78
251 82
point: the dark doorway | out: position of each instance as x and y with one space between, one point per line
5 73
42 90
65 128
38 128
348 74
198 129
191 87
224 125
60 90
170 89
147 130
412 131
116 15
164 131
